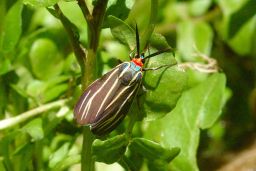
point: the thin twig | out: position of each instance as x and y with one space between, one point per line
73 34
7 123
82 4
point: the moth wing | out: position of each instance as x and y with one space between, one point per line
96 96
116 110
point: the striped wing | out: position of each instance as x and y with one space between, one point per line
106 101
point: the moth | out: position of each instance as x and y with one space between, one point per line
106 102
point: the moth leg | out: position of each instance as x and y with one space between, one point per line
156 68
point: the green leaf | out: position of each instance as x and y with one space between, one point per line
122 31
67 162
242 43
40 3
157 165
198 107
12 27
158 41
110 150
45 91
59 155
20 91
34 129
164 86
117 8
152 150
193 37
45 60
146 25
236 28
5 64
240 17
197 8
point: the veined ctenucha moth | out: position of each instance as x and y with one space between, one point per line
105 103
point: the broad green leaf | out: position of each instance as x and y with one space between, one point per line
146 25
152 150
34 129
158 41
12 27
122 31
73 12
237 28
198 107
242 42
126 34
240 17
45 59
40 3
164 86
110 150
194 37
117 8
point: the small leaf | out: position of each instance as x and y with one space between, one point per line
158 41
59 155
192 37
198 8
110 150
20 91
117 8
158 165
55 92
67 162
45 60
34 129
5 64
40 3
122 31
152 150
12 27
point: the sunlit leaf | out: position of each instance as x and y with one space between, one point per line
110 150
34 129
12 27
40 3
198 107
45 60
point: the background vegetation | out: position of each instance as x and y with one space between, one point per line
194 116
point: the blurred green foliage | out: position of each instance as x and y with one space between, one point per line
190 114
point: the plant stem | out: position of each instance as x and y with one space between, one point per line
87 161
87 61
94 22
6 123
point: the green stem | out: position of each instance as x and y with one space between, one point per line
94 22
87 161
7 123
